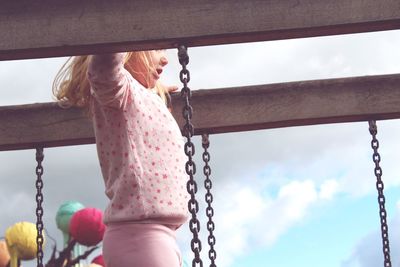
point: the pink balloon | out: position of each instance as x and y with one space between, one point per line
87 227
99 260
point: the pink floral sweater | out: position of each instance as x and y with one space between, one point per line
139 145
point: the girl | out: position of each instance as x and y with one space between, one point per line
140 149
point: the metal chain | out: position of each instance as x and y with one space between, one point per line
212 254
190 166
39 209
381 197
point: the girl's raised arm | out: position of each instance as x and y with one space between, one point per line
108 79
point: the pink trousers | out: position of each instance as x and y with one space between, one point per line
140 245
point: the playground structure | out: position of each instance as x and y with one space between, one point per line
51 29
76 28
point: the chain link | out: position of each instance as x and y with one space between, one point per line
381 197
190 166
39 209
212 254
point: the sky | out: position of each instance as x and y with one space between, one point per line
287 197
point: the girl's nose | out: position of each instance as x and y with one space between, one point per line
163 61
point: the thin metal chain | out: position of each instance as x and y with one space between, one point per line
212 254
39 209
190 166
381 197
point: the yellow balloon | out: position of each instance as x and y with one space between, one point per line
4 254
94 265
21 240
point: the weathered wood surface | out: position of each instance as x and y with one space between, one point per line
223 110
49 28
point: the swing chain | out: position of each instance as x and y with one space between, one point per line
209 198
381 197
190 166
39 209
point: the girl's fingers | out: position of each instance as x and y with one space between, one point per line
172 88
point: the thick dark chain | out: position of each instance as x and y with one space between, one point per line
39 209
381 197
190 166
212 254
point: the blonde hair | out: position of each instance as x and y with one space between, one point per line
71 85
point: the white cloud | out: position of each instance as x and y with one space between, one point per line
328 189
288 209
295 198
239 214
247 218
247 204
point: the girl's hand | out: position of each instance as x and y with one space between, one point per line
172 88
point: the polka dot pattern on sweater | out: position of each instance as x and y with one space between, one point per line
140 147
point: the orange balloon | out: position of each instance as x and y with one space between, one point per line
4 254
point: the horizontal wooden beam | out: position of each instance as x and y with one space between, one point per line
222 110
49 28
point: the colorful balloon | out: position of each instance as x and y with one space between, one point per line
87 226
4 254
99 260
21 242
63 219
64 214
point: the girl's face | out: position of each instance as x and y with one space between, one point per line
150 74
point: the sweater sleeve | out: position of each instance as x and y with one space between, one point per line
108 79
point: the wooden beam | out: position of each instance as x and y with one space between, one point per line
222 110
50 28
